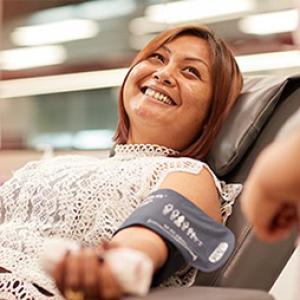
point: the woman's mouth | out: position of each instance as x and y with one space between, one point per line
157 96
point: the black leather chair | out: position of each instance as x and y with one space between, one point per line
264 105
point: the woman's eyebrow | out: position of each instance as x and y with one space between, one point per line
166 48
188 58
197 59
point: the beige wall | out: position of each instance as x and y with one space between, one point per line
11 160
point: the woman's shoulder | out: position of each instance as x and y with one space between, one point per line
71 158
182 162
162 167
179 159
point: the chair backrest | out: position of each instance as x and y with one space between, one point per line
258 116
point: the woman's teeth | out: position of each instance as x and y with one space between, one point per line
158 96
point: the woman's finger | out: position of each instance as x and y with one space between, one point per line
90 271
59 273
72 272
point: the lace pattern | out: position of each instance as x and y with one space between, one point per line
142 150
13 287
84 199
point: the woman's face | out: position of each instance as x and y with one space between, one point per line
168 94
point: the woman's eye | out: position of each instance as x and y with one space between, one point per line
157 56
193 71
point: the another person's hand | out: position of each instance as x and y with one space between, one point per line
84 276
272 192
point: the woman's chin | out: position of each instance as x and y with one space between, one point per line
151 114
149 107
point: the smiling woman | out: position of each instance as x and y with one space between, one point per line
208 72
151 198
180 73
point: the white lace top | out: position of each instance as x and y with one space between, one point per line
84 199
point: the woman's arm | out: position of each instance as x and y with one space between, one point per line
72 272
199 189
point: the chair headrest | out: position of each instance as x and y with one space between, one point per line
254 106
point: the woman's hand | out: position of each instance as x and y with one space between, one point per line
83 275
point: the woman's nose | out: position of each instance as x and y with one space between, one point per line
164 77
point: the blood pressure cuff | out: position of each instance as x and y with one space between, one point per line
203 243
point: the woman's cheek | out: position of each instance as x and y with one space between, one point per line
139 71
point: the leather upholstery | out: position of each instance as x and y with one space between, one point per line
254 106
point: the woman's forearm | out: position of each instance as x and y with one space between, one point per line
145 240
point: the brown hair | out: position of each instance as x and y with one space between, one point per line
226 77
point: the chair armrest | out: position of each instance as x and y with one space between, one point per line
204 293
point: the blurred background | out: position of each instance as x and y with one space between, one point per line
61 62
